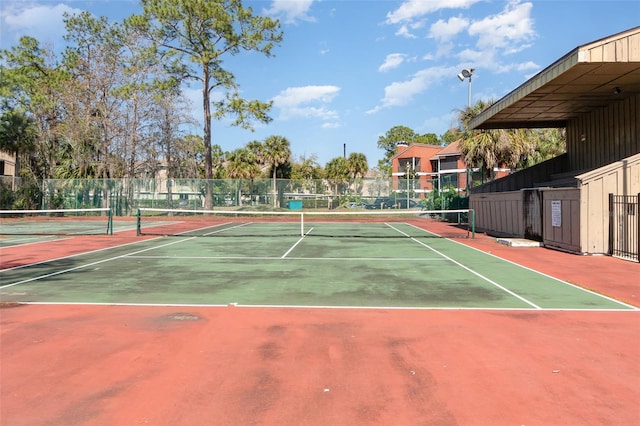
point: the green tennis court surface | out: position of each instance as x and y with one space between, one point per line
421 271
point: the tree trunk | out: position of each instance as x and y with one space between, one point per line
208 163
275 198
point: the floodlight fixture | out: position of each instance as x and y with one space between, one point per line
467 73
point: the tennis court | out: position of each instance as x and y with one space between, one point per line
273 263
266 320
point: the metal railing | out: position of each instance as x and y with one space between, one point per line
624 226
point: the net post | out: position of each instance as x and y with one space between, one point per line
110 224
302 224
473 223
138 232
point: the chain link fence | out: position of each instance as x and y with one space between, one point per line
125 196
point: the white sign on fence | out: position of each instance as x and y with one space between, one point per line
556 213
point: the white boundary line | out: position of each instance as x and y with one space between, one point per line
92 263
545 275
19 242
133 254
373 259
383 308
73 255
293 246
506 290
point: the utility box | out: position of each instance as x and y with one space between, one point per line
295 204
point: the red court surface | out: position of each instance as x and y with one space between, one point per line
130 365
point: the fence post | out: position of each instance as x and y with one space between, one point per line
611 225
473 224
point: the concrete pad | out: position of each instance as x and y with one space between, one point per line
519 242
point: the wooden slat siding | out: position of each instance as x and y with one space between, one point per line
499 214
571 137
532 214
634 47
620 178
633 123
595 219
617 134
625 49
567 235
626 130
611 134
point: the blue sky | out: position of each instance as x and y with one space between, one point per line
350 70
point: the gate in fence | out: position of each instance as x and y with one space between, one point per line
624 226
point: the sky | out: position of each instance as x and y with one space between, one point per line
348 71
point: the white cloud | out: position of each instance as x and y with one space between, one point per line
400 93
528 66
477 57
403 31
445 31
510 30
307 102
498 36
413 9
42 22
524 66
293 10
392 61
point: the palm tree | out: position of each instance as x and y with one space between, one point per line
358 166
487 149
276 152
242 164
548 143
337 172
257 148
512 148
307 170
18 135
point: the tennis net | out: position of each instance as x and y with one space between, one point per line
92 221
347 224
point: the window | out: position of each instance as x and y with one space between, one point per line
448 164
450 180
408 164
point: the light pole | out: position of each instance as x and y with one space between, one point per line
408 171
467 73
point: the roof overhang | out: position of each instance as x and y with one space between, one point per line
587 78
